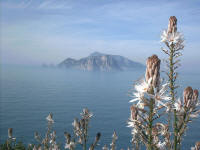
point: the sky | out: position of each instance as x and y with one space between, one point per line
49 31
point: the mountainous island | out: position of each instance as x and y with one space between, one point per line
101 62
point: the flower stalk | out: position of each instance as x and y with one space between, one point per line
172 93
174 42
150 101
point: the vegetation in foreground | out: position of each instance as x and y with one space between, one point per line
158 119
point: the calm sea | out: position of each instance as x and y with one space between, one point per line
29 94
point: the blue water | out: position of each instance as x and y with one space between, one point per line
29 94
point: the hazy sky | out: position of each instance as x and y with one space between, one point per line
48 31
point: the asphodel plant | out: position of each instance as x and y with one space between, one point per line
158 117
183 110
151 102
174 43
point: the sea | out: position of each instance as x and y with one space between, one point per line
29 94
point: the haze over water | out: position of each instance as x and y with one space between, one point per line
29 94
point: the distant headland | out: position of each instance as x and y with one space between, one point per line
101 62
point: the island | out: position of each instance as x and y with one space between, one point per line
101 62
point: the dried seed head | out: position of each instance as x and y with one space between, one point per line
172 26
153 70
10 131
197 146
134 113
187 94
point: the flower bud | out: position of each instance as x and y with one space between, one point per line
49 118
10 131
153 70
85 111
114 136
98 136
172 26
134 113
195 94
188 94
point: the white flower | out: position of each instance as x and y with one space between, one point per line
141 88
86 114
162 99
164 36
134 131
175 37
178 106
141 96
50 118
161 145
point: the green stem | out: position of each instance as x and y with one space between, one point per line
85 136
186 118
150 137
150 126
172 93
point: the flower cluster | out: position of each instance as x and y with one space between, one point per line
80 129
186 109
150 103
171 37
49 141
183 110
